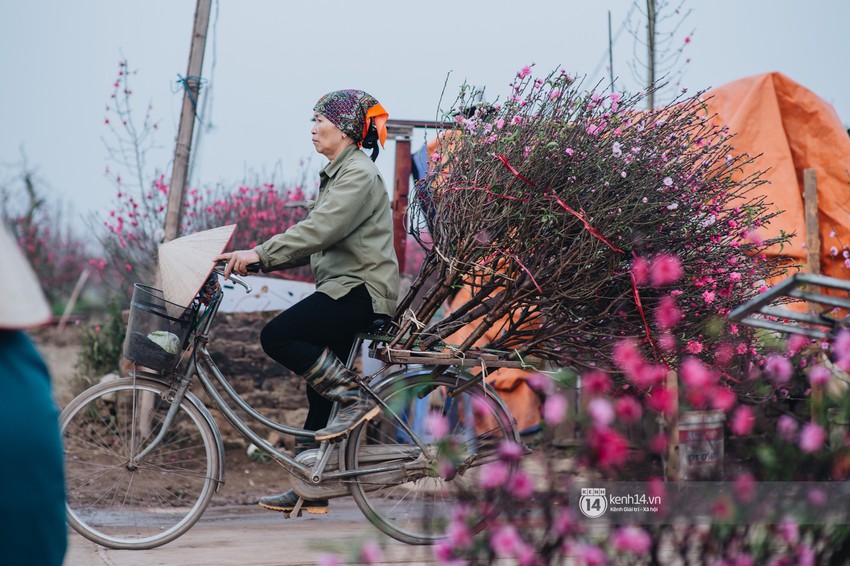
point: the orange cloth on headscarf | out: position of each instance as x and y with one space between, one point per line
380 115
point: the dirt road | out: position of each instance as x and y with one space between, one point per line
251 536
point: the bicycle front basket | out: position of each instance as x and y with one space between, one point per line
157 330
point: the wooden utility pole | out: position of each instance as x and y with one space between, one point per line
610 53
401 195
810 205
192 87
810 199
650 46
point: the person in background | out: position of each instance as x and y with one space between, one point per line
33 503
348 239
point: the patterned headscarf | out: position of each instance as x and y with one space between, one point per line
353 111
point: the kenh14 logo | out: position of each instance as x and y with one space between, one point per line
593 502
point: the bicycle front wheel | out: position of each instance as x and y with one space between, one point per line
415 503
118 500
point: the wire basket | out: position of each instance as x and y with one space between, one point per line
157 330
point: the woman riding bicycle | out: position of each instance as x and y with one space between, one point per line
348 239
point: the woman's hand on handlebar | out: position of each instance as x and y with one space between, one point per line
239 262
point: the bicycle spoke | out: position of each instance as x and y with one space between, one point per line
418 511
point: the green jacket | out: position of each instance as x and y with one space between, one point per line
348 235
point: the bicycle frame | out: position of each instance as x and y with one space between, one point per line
209 375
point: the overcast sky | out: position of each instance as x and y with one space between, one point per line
268 61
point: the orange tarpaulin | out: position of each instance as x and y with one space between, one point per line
793 129
510 383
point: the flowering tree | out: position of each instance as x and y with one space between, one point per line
133 228
55 250
577 215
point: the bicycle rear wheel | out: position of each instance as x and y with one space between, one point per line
415 502
119 502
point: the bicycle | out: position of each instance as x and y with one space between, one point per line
144 455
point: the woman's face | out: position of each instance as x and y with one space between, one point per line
327 138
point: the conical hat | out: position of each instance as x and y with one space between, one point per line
186 263
23 304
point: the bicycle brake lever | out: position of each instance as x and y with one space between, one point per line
239 281
219 269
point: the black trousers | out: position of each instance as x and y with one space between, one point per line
296 338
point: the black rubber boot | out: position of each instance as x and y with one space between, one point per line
286 501
331 379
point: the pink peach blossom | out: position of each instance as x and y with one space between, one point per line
596 383
694 347
494 475
744 485
511 451
819 375
640 270
665 270
722 399
520 486
504 541
694 373
609 447
778 369
459 536
587 554
631 539
667 314
743 421
437 424
812 437
371 553
554 409
786 427
662 400
627 409
601 412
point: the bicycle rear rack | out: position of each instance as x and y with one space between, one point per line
828 311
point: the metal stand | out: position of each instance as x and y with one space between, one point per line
827 298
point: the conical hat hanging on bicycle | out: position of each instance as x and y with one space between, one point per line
23 304
186 263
